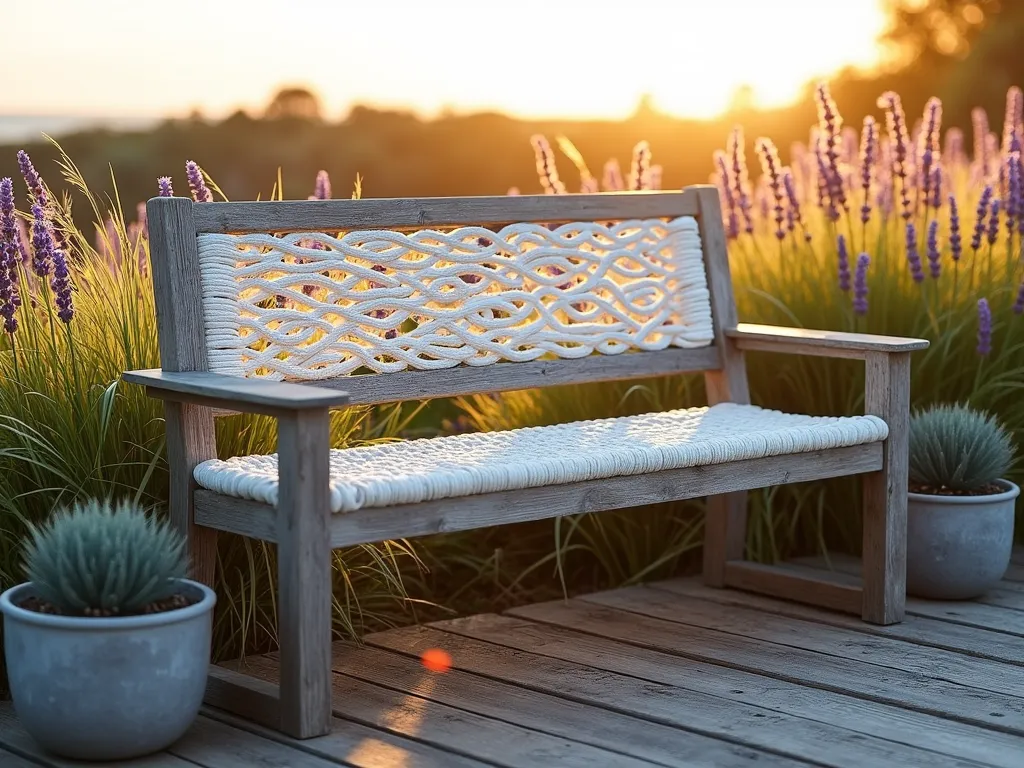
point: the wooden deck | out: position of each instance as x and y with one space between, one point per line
671 674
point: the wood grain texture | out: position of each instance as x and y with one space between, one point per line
769 580
887 395
845 676
425 212
239 392
920 630
913 729
751 726
255 700
218 745
304 573
405 706
725 517
973 674
804 341
257 520
179 317
375 388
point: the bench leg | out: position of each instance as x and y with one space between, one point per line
304 573
725 534
190 441
884 547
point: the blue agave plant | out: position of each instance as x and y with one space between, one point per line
957 448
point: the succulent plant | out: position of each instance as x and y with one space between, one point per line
104 559
957 448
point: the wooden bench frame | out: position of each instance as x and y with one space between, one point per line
305 530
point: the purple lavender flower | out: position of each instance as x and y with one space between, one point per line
164 185
844 264
860 285
639 172
546 169
771 165
979 120
740 179
993 223
1014 114
979 223
1018 305
729 207
826 197
984 327
953 151
10 299
793 214
322 189
868 142
654 176
32 179
930 144
200 192
934 263
956 246
896 121
830 123
1013 199
913 257
61 284
936 187
42 242
611 179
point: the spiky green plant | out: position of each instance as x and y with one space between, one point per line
957 448
104 558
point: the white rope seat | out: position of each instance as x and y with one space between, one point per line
312 306
463 465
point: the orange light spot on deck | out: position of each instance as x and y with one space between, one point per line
436 660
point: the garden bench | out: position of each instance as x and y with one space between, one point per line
260 311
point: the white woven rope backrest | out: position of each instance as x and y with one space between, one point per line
311 306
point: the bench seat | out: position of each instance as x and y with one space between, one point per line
463 465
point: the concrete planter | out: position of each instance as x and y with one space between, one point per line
107 688
958 547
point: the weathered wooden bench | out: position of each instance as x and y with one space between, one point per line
421 298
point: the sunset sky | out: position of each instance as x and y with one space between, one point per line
571 58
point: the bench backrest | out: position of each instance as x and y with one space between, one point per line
395 299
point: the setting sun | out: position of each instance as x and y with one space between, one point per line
534 58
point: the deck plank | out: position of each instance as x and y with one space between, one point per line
752 726
886 652
969 613
540 711
888 686
921 630
903 726
415 715
212 744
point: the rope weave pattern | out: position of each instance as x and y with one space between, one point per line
462 465
312 306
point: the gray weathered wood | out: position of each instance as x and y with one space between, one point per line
424 212
218 745
971 641
15 739
769 580
418 715
239 393
725 518
179 318
887 395
257 520
731 720
804 341
375 388
878 720
953 667
304 572
964 612
832 673
243 695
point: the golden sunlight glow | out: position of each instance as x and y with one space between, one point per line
534 58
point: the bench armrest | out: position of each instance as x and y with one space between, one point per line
235 393
802 341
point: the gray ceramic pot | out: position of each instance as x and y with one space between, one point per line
958 547
107 688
